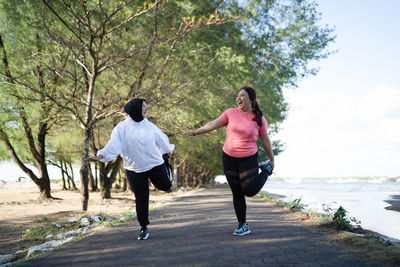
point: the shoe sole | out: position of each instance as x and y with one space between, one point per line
144 238
244 233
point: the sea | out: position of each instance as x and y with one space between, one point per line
371 201
10 172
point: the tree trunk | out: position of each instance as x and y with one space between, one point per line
125 183
185 181
196 175
88 127
72 176
96 176
105 186
43 182
84 172
117 182
63 176
92 184
205 178
107 181
175 174
44 187
84 186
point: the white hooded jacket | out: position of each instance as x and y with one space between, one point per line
140 144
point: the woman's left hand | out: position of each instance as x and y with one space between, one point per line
191 133
93 159
272 164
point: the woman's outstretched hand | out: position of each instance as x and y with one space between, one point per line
94 159
191 133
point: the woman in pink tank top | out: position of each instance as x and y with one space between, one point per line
244 125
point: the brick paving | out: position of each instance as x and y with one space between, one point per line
196 230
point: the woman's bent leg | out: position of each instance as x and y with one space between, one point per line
159 177
231 170
248 175
139 184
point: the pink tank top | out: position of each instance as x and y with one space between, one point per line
241 133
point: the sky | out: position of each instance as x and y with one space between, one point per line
345 121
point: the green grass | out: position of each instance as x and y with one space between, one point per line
376 250
45 227
111 223
387 255
41 219
21 261
270 199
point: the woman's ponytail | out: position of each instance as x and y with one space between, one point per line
254 105
257 111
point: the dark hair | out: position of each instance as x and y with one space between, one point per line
254 105
134 109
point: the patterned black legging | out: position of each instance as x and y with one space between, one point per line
139 184
241 174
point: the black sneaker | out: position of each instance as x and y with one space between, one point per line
255 185
168 166
266 167
144 234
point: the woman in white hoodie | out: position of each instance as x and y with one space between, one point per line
141 145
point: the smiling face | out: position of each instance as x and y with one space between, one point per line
144 109
243 101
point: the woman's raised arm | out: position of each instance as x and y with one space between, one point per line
208 127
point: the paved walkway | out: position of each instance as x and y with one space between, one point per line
196 230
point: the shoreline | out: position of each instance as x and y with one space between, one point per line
276 198
394 203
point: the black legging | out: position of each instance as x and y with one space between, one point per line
240 174
139 183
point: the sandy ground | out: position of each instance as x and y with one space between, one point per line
20 206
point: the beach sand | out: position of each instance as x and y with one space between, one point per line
20 206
